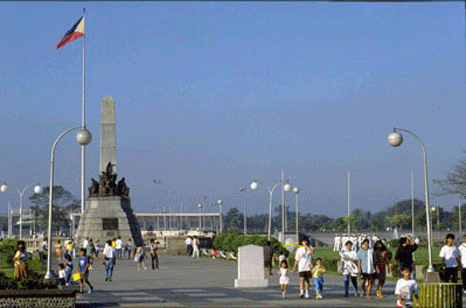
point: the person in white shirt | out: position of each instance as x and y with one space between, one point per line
406 289
451 259
189 245
109 255
195 247
350 269
462 249
303 259
118 247
85 243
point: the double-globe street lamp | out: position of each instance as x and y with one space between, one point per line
286 188
37 190
395 139
83 137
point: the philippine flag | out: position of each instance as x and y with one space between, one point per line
75 32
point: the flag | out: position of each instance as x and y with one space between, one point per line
75 32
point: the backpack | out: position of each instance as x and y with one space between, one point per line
389 255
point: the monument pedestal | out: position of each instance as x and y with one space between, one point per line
106 218
251 267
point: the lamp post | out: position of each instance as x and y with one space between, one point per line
459 199
296 193
245 220
220 203
255 186
83 137
37 190
157 193
200 205
395 139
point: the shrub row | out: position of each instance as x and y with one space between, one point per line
231 241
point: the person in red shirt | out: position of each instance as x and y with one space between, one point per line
381 262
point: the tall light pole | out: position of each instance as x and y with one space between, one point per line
220 203
459 200
412 203
157 194
349 202
83 137
296 193
395 139
200 205
37 190
245 220
255 186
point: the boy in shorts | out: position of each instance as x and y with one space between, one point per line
406 289
303 259
366 260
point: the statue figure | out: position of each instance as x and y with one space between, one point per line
109 169
94 188
121 187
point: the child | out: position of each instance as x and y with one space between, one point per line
61 275
84 264
214 253
406 289
283 277
318 275
68 269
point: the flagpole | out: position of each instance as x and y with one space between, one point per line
83 115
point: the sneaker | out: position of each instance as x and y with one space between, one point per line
301 295
106 279
283 294
307 295
81 291
90 290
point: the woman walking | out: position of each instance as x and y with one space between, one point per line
21 264
381 262
141 257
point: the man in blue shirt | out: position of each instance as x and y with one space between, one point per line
84 263
366 258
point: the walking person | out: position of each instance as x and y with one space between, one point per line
366 258
153 254
141 257
84 264
109 255
195 247
462 249
21 270
381 262
189 245
119 246
284 280
303 259
68 268
451 259
97 248
268 256
404 254
128 248
318 275
350 269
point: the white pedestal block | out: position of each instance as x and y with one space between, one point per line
251 267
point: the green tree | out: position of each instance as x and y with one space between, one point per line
233 218
399 220
63 203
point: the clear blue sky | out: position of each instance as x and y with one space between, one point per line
211 95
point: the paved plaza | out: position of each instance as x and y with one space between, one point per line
186 282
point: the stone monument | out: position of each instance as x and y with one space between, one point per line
251 267
108 213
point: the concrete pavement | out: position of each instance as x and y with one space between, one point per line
186 282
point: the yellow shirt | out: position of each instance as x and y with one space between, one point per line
318 271
113 244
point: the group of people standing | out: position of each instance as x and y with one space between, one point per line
192 246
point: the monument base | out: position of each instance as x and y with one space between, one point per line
107 218
251 283
432 277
